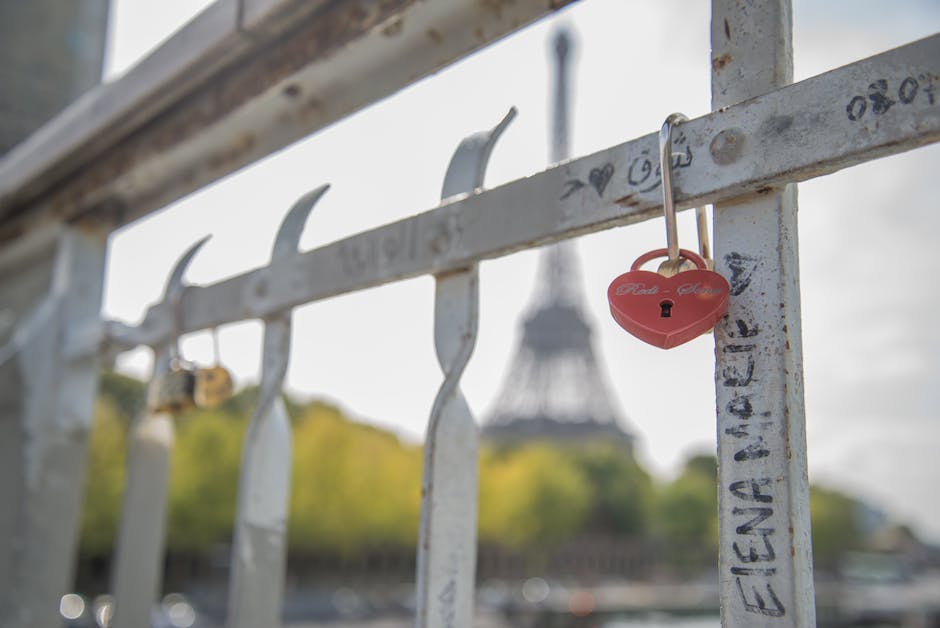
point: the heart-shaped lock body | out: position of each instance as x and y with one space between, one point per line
668 311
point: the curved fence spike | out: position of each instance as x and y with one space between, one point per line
138 566
447 539
256 587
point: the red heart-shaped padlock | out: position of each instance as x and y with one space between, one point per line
668 311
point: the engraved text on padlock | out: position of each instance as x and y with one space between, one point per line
668 311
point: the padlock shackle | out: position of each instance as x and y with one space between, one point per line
665 168
687 254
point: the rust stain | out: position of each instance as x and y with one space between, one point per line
435 36
313 104
243 144
319 36
495 6
629 200
718 63
394 27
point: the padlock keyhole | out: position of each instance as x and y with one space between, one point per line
665 309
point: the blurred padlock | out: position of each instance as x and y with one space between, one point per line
213 386
174 391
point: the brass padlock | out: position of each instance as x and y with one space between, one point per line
174 392
213 386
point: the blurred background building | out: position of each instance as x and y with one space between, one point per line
556 387
52 53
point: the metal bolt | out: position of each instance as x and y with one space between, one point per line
728 146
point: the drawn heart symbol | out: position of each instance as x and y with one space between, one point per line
600 177
668 311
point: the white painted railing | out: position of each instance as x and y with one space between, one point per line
745 157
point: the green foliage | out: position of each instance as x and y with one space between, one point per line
686 511
535 495
104 479
204 479
835 525
622 489
353 486
356 487
243 403
128 395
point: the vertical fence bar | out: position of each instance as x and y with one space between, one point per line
766 575
259 550
138 564
46 404
447 539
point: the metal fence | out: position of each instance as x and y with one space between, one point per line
229 89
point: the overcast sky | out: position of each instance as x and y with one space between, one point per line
867 237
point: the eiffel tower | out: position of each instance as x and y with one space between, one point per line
555 388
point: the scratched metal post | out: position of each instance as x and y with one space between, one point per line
46 413
794 133
138 565
447 538
259 551
766 571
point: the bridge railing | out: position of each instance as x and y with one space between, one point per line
763 136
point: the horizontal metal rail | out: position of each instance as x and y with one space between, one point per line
243 79
879 106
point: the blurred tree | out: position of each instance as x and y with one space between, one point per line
104 478
835 525
353 485
126 393
356 487
531 496
686 516
243 403
622 489
204 479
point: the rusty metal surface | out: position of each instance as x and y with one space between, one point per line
792 134
765 556
258 91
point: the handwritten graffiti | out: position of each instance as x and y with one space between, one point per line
390 244
600 177
757 604
748 424
597 178
447 598
645 172
742 267
882 95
